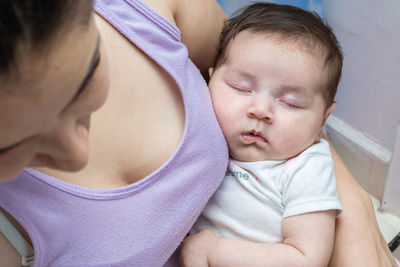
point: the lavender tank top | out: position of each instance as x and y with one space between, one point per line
141 224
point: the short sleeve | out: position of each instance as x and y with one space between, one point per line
309 182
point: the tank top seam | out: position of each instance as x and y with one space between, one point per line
101 194
13 211
156 17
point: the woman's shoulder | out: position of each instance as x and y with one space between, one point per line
166 8
200 23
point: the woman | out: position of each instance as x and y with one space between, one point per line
156 154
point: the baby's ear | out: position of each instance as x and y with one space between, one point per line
329 111
210 71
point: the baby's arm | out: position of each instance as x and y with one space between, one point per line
308 241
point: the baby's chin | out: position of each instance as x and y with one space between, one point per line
251 157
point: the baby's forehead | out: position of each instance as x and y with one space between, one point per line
318 54
314 48
296 41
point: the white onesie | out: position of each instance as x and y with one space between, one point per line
254 197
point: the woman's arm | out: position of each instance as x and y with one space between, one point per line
200 23
358 241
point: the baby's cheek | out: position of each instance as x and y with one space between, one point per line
222 116
291 145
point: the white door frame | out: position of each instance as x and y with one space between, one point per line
391 196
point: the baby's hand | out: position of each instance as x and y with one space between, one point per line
197 248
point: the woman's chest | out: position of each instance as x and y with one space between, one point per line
138 130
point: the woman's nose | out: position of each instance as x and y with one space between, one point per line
65 146
261 108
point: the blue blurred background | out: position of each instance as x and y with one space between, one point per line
231 6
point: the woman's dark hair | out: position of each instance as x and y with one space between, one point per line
290 25
35 22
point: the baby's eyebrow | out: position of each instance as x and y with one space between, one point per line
295 89
242 73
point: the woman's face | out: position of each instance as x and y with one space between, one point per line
45 106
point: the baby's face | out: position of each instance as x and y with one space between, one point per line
267 97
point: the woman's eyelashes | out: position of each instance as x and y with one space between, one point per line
5 150
89 78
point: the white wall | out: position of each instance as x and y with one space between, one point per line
391 198
369 93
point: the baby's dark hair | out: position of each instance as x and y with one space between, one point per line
33 23
290 25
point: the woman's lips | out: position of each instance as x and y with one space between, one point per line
253 137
